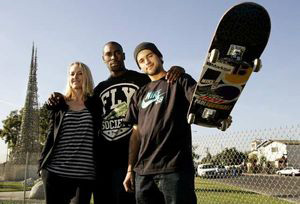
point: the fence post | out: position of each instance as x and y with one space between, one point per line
25 177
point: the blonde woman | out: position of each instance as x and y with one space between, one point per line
68 158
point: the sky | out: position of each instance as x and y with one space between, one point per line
66 31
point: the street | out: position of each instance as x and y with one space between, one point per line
285 187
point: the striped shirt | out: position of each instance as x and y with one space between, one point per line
72 155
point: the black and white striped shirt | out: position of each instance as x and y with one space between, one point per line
73 156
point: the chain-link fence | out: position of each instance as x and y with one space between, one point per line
254 166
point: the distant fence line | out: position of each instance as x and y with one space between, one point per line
242 140
264 152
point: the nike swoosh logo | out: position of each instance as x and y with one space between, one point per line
145 104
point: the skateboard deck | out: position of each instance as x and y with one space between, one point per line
239 40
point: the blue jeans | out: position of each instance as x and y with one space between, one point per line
168 188
110 188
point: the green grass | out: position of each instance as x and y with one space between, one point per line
209 191
12 186
21 202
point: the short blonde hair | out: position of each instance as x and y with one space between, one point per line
88 83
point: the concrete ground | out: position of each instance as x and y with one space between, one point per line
18 197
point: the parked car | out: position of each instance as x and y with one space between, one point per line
289 171
211 170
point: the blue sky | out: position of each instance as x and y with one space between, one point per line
65 31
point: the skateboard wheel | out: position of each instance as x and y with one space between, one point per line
214 55
223 126
257 65
191 118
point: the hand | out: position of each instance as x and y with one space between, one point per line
174 73
128 182
55 99
225 124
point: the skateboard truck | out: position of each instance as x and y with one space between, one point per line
236 52
208 113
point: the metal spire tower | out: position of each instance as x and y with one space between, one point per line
28 140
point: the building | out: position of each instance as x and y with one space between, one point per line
280 152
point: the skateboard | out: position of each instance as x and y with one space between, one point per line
234 54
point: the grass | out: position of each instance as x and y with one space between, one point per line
21 202
12 186
209 191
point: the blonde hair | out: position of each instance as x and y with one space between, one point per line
88 83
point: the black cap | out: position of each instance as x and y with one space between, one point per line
146 46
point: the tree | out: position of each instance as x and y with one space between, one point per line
263 160
253 161
195 155
207 158
230 157
44 123
11 128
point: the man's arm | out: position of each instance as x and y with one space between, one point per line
55 100
134 147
